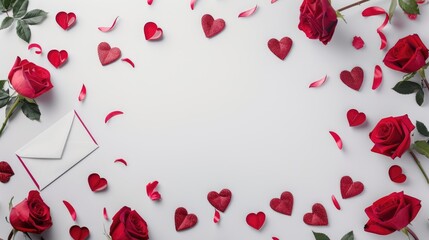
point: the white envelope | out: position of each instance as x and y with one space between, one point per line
60 147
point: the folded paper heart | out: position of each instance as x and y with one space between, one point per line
396 174
220 200
317 217
256 220
212 27
355 118
284 204
183 220
349 188
353 79
280 48
79 233
96 183
65 20
107 54
152 31
57 58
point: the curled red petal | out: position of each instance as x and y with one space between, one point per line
378 77
120 160
149 2
71 210
374 11
318 83
82 93
193 4
108 29
155 196
112 114
150 190
105 214
128 61
216 217
37 46
335 202
358 42
337 139
5 172
249 12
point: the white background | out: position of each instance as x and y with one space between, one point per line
205 114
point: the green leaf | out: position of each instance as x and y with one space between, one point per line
406 87
11 102
35 16
349 235
7 4
2 83
23 31
31 110
4 98
20 8
421 128
11 203
2 9
409 6
393 4
420 97
7 21
320 236
422 147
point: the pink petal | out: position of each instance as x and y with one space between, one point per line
37 46
193 4
374 11
108 29
82 93
120 160
273 1
378 77
112 114
357 42
149 2
128 61
105 214
155 196
71 210
335 202
337 139
318 83
248 13
216 217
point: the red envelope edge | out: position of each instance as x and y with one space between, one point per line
56 150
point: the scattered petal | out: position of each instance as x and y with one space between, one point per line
5 172
275 238
149 2
96 183
412 16
396 174
273 1
337 139
71 210
108 29
112 114
318 83
120 160
335 202
128 61
249 12
151 193
357 42
216 217
37 46
105 214
193 4
82 93
378 77
373 11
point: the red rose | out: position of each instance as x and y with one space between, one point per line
391 136
408 55
28 79
391 213
31 215
128 225
318 20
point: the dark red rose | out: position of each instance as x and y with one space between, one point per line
128 225
318 20
31 215
408 55
391 213
391 136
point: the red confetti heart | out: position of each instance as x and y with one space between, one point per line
65 20
280 48
357 42
216 217
335 202
71 210
151 193
317 217
152 31
378 77
353 79
106 54
248 13
96 183
355 117
79 233
183 220
57 58
256 220
396 175
284 204
5 172
220 200
212 27
349 188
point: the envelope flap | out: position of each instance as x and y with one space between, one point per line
50 143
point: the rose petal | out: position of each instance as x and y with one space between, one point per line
108 29
5 172
216 217
149 2
193 4
151 193
105 214
357 42
120 160
275 238
112 114
337 139
273 1
128 61
373 11
249 12
71 210
335 202
37 46
318 83
82 93
378 77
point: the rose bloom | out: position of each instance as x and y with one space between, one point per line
128 225
391 136
31 215
408 55
391 213
318 20
28 79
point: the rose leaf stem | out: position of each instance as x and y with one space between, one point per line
412 233
10 113
352 5
416 160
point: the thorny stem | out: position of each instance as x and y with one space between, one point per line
423 76
352 5
419 165
408 230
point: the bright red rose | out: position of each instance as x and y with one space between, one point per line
391 136
31 215
391 213
128 225
318 20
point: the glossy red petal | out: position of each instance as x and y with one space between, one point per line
318 83
378 77
337 139
128 61
357 42
112 114
82 93
151 193
149 2
71 210
105 214
374 11
335 202
193 4
120 160
5 172
249 12
275 238
216 217
36 46
108 29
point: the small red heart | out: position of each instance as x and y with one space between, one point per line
57 58
152 31
79 233
256 220
353 78
96 183
220 200
355 117
317 217
396 175
284 204
349 188
212 27
65 20
5 172
280 48
183 220
106 54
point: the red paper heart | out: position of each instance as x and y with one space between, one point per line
355 117
183 220
79 233
106 54
57 58
65 20
5 172
284 204
96 183
317 217
256 220
212 27
396 175
152 31
349 188
220 200
280 48
353 78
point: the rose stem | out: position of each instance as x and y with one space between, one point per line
352 5
419 165
412 233
9 114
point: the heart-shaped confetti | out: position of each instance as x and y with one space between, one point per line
280 48
256 220
396 174
152 31
183 220
65 20
349 188
317 217
212 27
106 54
96 183
284 204
57 58
220 200
353 79
5 172
355 117
79 233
